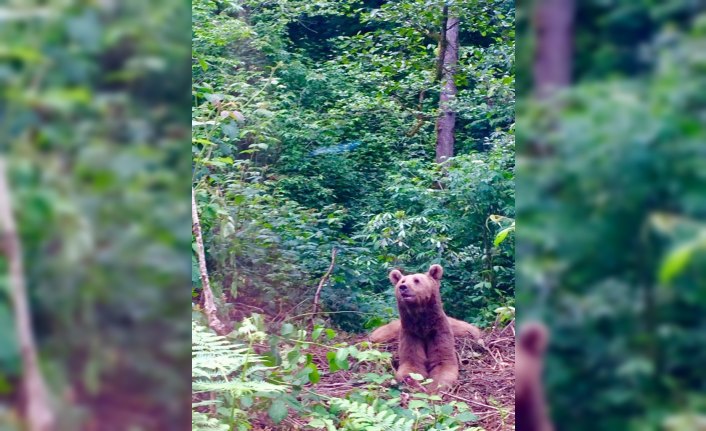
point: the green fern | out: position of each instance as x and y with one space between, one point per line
218 365
229 371
201 421
361 416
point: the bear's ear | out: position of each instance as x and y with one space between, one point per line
436 271
534 338
395 276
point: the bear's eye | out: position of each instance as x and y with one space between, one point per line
416 280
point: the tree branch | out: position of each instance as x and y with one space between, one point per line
209 305
39 413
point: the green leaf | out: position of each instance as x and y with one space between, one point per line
675 261
330 333
317 333
341 358
204 65
293 356
317 423
246 401
314 376
418 404
467 417
446 409
461 406
332 365
500 237
277 411
287 329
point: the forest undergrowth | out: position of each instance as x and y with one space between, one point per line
319 164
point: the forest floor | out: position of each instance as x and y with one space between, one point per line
486 382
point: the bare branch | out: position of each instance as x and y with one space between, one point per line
321 283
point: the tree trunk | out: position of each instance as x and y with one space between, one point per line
209 304
553 23
38 410
317 296
449 61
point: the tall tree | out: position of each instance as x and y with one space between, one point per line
448 56
553 23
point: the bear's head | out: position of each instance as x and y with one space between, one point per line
417 289
530 405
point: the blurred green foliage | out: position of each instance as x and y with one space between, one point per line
611 207
93 100
314 128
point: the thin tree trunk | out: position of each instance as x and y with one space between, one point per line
317 296
39 413
445 126
209 304
553 23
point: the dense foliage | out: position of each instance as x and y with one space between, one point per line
612 236
314 129
93 124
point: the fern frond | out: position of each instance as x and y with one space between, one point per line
221 366
201 421
361 416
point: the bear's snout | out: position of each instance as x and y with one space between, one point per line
405 292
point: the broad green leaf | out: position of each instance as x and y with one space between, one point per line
466 417
332 364
277 411
341 358
287 329
314 376
676 260
500 237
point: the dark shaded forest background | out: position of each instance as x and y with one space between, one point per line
94 132
611 208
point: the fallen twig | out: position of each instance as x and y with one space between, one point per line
509 325
466 400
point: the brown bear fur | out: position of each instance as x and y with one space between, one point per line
530 406
426 340
391 332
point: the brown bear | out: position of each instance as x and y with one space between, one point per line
426 339
391 332
530 406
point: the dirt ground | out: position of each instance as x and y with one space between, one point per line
486 383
